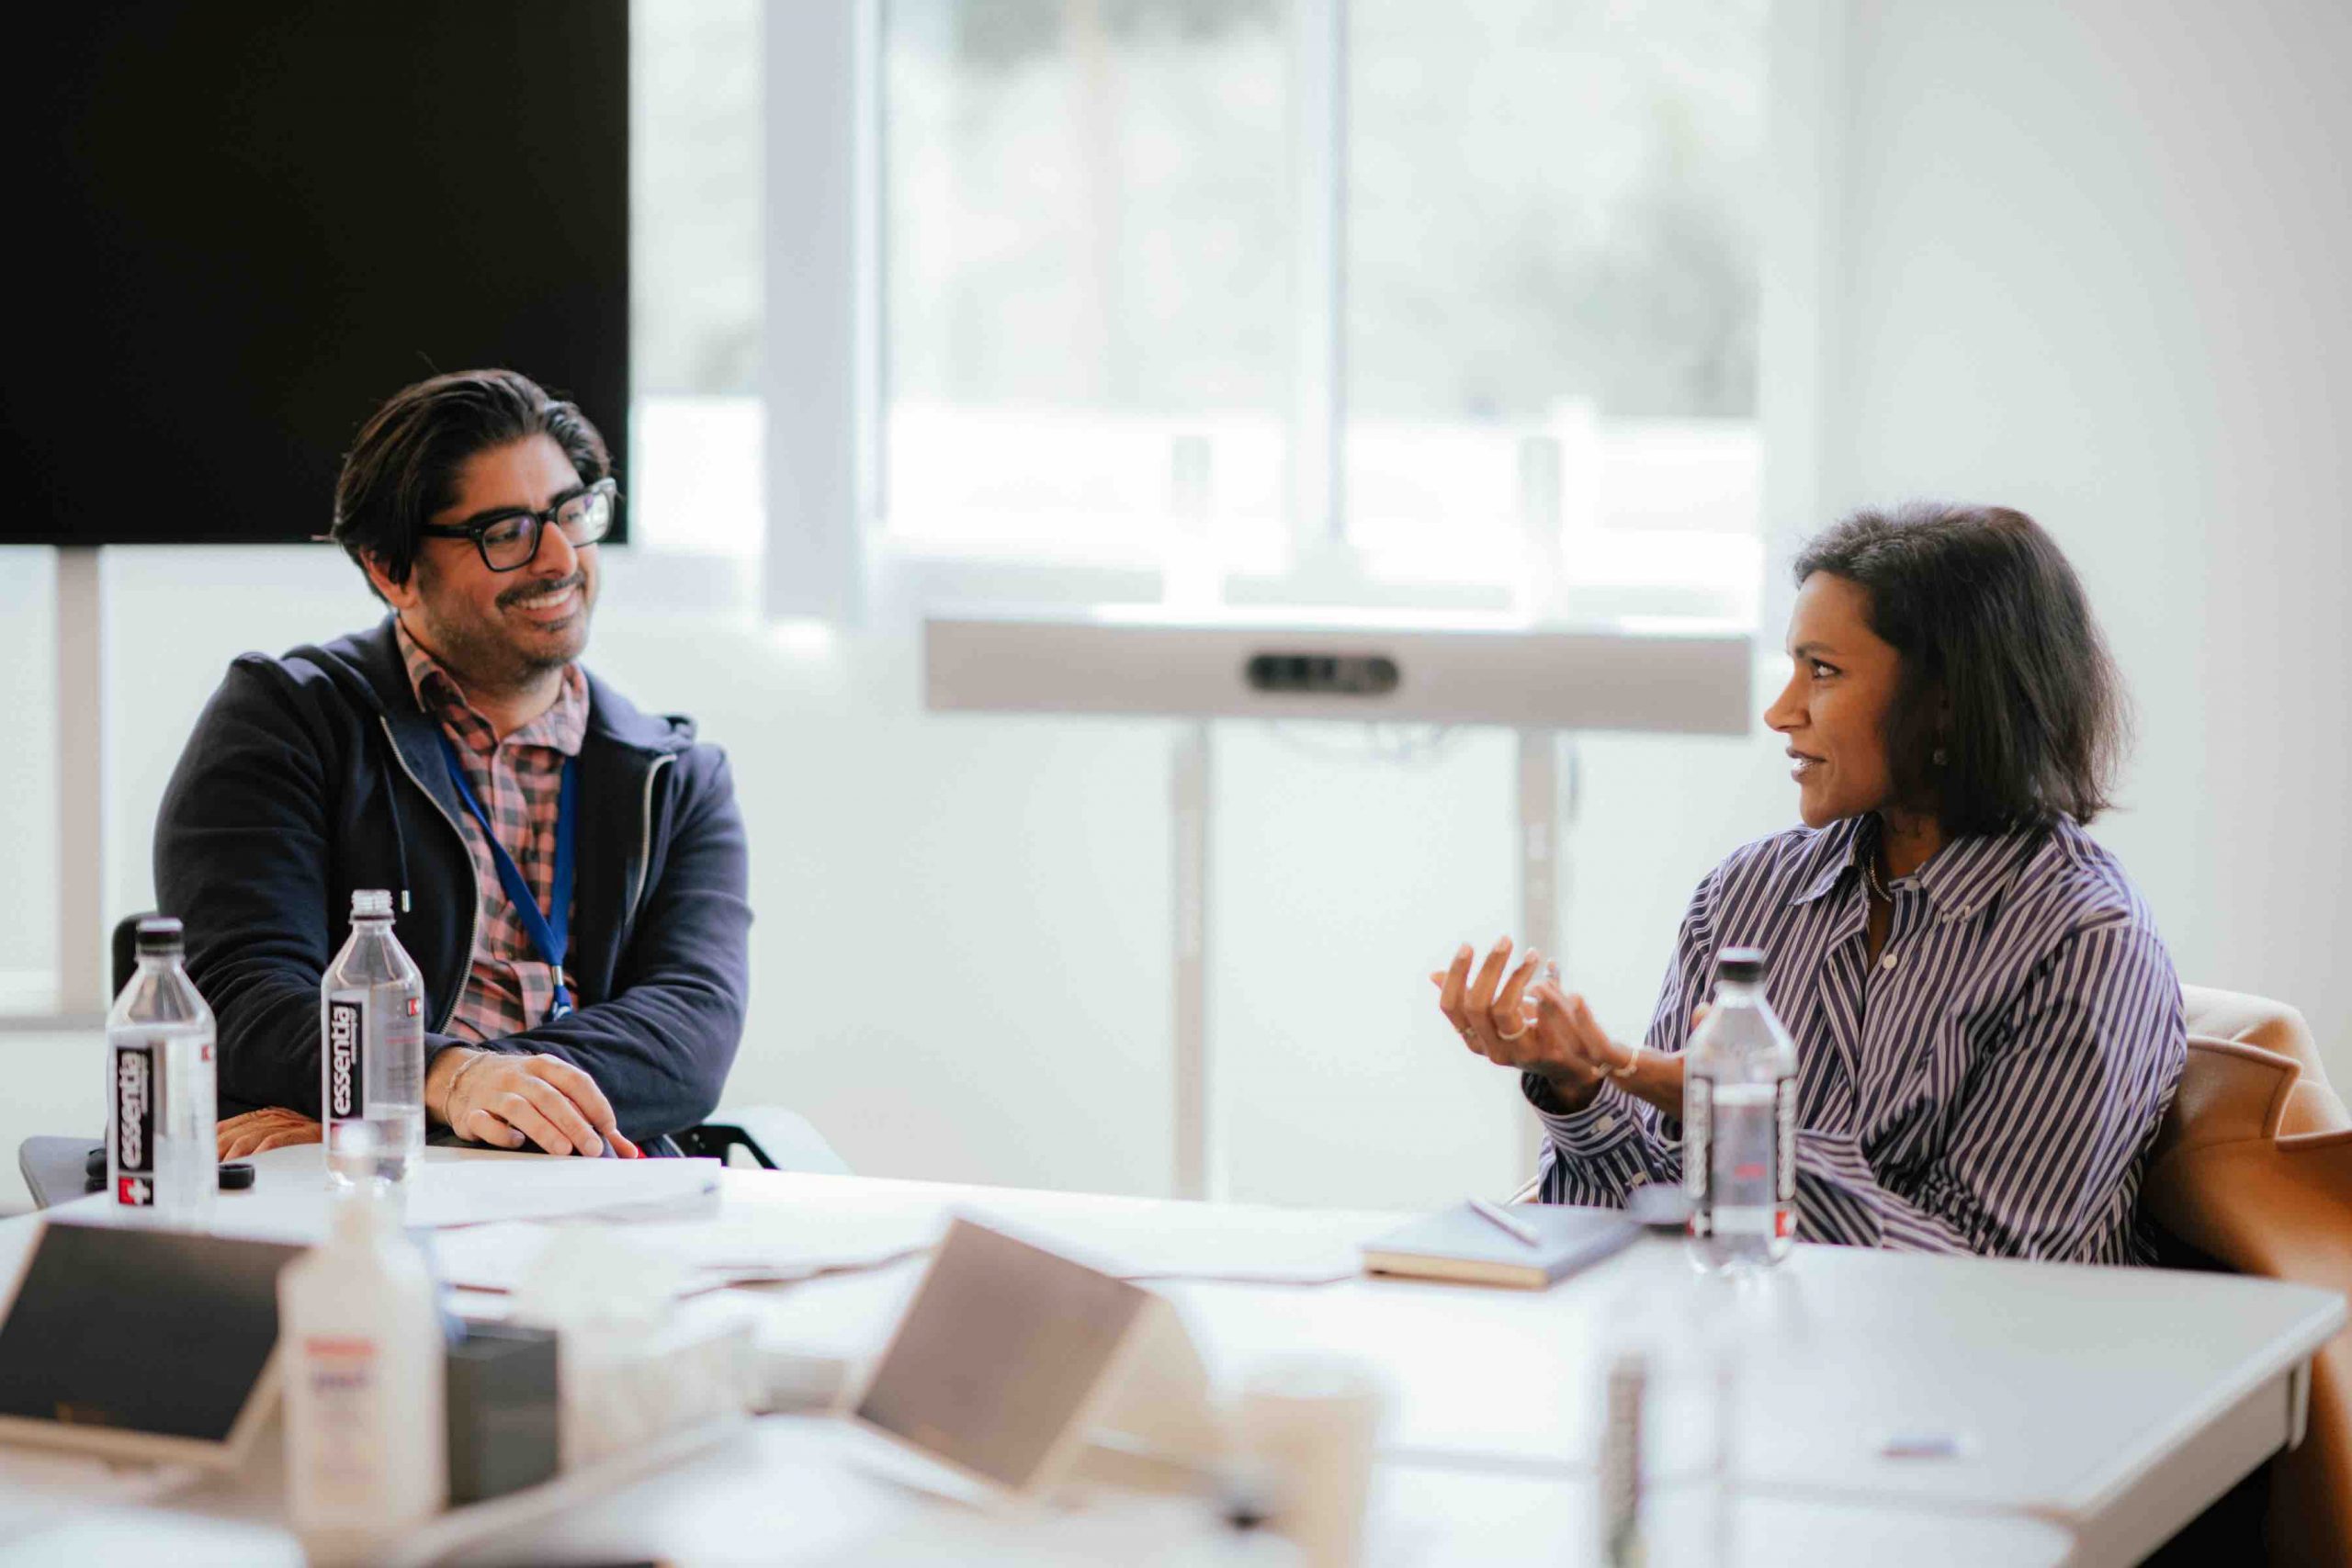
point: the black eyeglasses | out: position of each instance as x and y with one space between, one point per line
510 540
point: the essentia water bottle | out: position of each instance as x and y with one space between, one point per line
371 1041
160 1090
1739 1125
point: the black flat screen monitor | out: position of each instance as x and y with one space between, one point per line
239 228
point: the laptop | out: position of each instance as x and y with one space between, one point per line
136 1342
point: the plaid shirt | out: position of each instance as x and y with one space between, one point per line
517 780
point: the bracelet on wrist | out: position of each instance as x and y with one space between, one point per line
473 1059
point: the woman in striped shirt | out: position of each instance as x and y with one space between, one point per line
1988 1028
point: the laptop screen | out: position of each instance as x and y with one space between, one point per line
137 1330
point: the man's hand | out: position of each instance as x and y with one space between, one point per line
511 1101
258 1130
1492 1016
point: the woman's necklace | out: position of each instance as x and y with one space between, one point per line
1875 925
1870 875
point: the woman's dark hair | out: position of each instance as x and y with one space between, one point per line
403 467
2004 671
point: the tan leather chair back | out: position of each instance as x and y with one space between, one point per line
2312 1105
2253 1168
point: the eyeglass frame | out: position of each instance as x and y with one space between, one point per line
540 521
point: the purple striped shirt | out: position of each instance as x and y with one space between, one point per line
1991 1085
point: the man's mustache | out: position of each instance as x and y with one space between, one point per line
514 596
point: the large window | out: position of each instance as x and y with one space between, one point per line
1329 294
1086 219
1463 291
1550 275
695 238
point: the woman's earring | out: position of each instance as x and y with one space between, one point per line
1940 757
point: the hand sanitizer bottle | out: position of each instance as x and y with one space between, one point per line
361 1340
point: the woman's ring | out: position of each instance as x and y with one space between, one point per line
1513 1034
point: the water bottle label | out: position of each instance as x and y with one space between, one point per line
134 1118
346 1464
346 1093
1697 1123
404 1035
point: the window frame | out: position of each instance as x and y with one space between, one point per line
829 546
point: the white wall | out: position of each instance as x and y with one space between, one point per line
961 956
2081 261
27 777
2094 267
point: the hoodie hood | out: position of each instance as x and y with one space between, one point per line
369 667
366 667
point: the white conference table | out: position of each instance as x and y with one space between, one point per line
2090 1411
790 1491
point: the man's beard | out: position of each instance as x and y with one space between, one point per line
482 656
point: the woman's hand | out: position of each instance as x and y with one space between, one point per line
257 1130
1492 1016
508 1101
1564 1023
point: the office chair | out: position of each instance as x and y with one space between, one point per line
55 1169
2253 1170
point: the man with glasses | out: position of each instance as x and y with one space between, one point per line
568 873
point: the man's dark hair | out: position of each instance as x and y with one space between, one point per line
2003 670
404 467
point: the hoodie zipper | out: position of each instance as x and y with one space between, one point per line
473 923
645 848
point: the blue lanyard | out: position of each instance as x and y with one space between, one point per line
550 933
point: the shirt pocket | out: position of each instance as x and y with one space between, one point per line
1929 1082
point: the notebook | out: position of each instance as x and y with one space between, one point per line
1462 1245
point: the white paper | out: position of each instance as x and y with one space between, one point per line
1194 1241
796 1222
474 1192
288 1199
724 1251
804 1229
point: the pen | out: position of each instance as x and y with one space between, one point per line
1504 1223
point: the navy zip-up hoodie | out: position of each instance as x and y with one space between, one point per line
313 775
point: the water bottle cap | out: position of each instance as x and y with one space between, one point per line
160 935
371 903
1740 966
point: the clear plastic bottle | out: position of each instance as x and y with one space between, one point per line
371 1043
1739 1110
360 1329
1664 1383
160 1121
1624 1411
